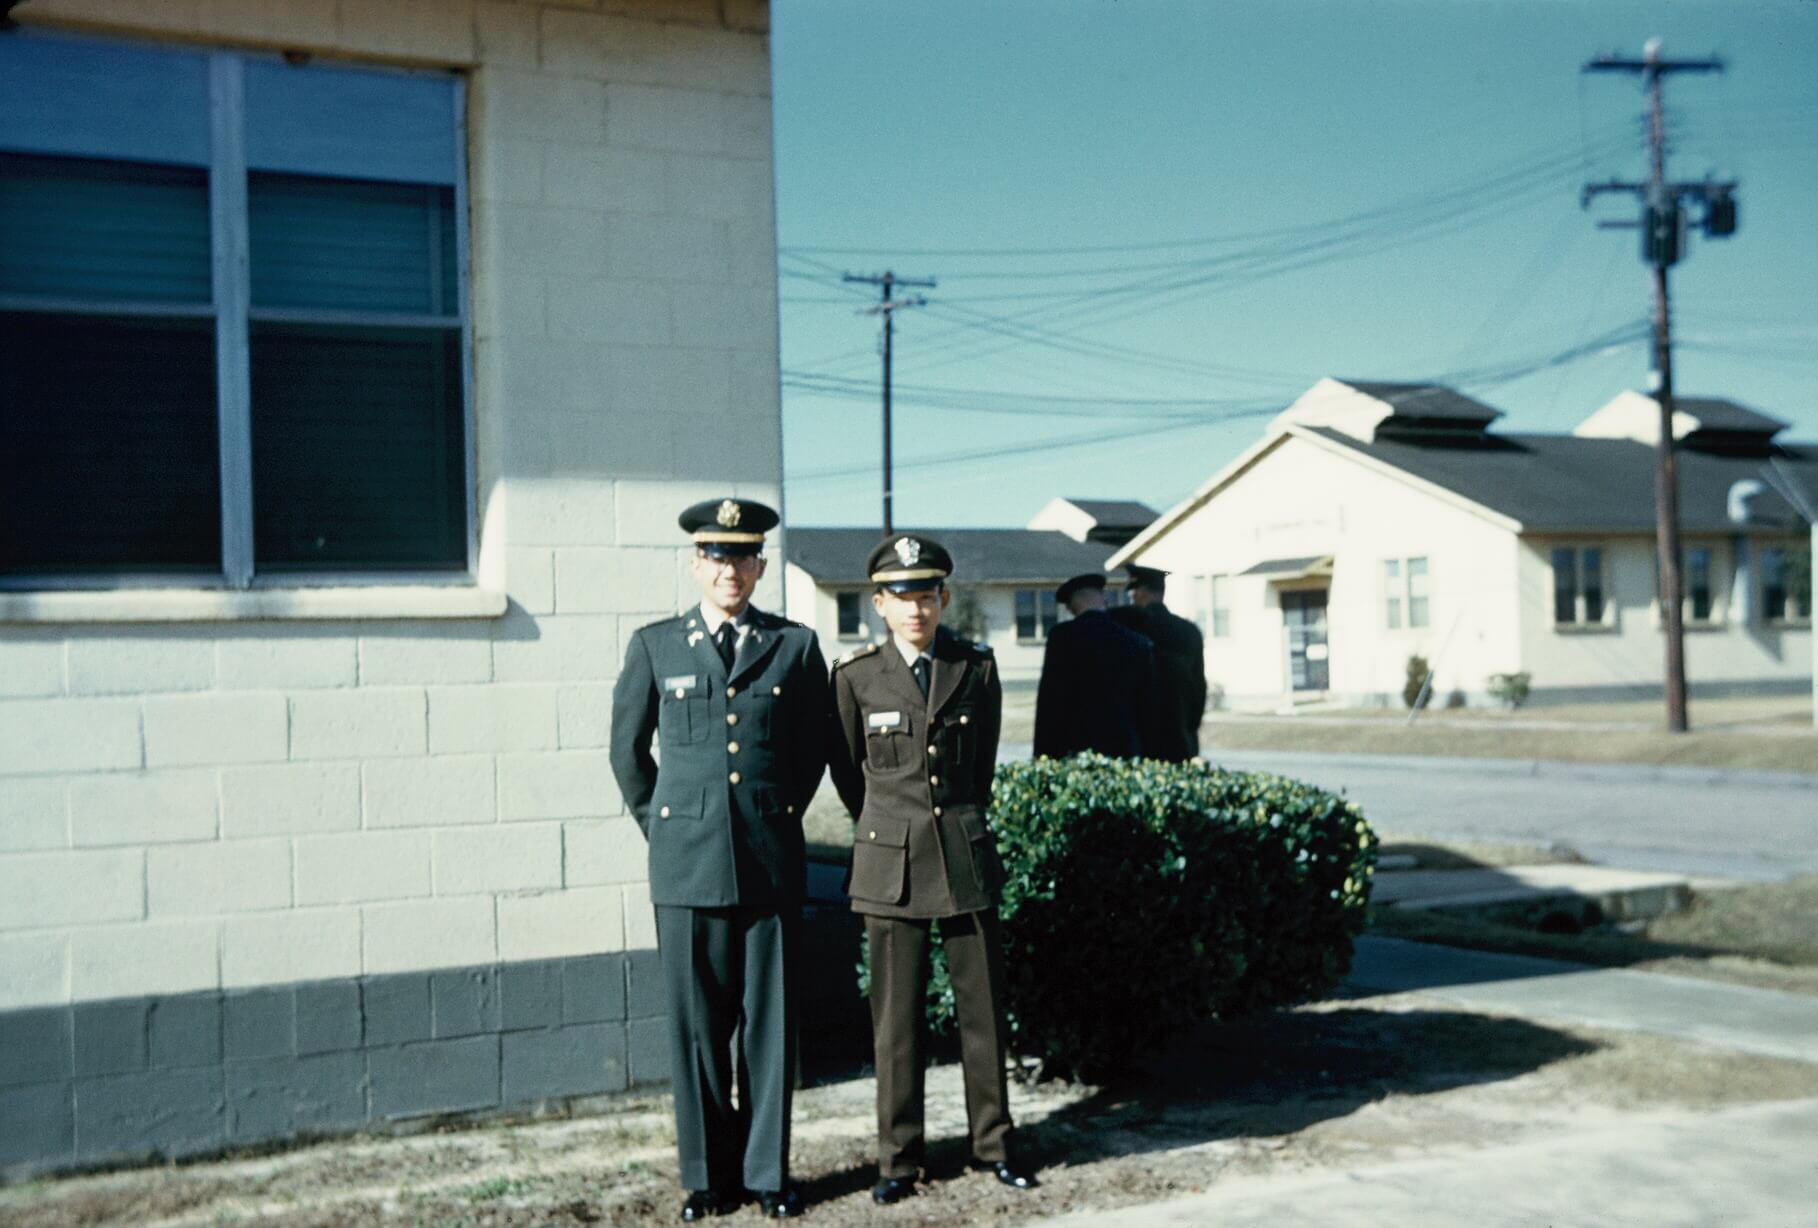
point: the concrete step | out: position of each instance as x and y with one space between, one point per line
1563 897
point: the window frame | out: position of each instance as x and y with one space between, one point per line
1580 624
1218 605
1787 617
857 597
1045 604
1398 596
234 318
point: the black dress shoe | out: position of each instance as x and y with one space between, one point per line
780 1204
892 1189
702 1203
1016 1178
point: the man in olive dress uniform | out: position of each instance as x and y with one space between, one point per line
913 753
737 701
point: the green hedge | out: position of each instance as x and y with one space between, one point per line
1145 897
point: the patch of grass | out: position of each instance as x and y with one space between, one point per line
1771 921
1784 752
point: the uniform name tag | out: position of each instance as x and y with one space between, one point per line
884 720
682 682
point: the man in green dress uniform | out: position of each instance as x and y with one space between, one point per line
736 699
913 753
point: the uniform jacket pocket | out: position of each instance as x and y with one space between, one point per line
682 713
880 860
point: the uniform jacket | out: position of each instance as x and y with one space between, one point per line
916 773
1097 679
741 757
1178 703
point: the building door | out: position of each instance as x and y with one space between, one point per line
1309 660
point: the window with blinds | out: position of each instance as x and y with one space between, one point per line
233 331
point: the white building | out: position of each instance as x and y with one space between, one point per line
1373 522
357 357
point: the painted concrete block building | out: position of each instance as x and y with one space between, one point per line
1372 522
356 356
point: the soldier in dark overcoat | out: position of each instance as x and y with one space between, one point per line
1097 678
1178 700
914 749
737 700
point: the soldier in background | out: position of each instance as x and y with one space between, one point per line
1178 701
1096 680
738 699
914 749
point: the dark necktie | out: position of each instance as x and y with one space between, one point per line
920 670
724 639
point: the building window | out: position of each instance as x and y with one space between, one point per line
1036 613
851 615
1578 587
1404 586
1700 604
1221 606
1786 585
232 330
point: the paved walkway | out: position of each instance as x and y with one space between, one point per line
1755 1166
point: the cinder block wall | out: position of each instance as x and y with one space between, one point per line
263 877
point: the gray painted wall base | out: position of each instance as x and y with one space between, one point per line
105 1083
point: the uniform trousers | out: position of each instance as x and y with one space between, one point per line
900 958
727 976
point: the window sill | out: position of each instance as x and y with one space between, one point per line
185 605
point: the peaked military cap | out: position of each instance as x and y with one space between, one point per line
909 563
1147 577
727 528
1090 579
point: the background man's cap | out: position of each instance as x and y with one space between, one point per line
728 527
1146 577
909 563
1091 579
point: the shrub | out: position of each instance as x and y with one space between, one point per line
1418 669
1144 897
1511 689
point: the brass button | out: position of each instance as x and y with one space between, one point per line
733 747
732 718
664 812
933 751
937 812
874 835
776 690
788 809
732 692
965 720
735 778
680 693
934 780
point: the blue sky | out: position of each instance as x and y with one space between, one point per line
1153 222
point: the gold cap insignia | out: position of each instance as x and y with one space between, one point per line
908 550
728 514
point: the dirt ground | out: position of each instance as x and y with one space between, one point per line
1335 1083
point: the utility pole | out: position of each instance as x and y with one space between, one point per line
887 307
1662 226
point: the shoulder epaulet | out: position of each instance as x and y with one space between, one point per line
856 654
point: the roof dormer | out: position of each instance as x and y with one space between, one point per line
1372 411
1705 424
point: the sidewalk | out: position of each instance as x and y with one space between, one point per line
1753 1166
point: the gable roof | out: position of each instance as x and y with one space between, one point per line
1565 483
1116 513
1035 557
1426 402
